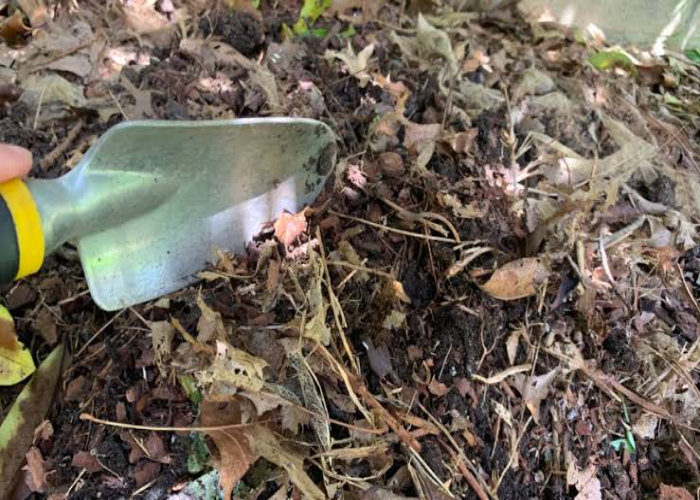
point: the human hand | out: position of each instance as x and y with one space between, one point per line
15 162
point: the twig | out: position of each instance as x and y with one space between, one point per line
121 425
362 269
98 332
61 148
394 230
364 393
513 453
335 305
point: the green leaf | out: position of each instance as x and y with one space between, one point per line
256 4
693 55
618 443
26 413
191 390
672 100
612 59
349 32
199 454
310 12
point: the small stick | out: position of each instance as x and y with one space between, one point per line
362 268
61 148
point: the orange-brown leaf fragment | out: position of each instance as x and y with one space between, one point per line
516 280
288 227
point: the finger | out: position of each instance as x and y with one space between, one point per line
14 162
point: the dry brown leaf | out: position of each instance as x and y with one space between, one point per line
235 452
517 279
586 482
395 89
36 479
470 211
86 460
288 227
437 388
210 325
668 492
419 136
268 446
462 141
143 18
534 390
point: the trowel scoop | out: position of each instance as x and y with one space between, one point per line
151 201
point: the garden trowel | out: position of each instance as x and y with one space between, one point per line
152 201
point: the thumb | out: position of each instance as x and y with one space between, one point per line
14 162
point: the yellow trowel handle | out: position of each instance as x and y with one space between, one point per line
21 235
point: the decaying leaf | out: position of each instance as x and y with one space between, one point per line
16 362
395 319
316 327
586 482
231 370
162 333
512 345
517 279
470 211
266 444
313 401
356 63
534 390
26 413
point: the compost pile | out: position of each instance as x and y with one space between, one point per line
492 298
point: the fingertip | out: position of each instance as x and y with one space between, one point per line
15 161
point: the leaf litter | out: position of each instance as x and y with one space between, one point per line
500 285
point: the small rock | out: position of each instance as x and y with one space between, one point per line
85 460
20 296
146 471
555 102
534 82
77 388
391 164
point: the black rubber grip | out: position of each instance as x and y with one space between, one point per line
9 247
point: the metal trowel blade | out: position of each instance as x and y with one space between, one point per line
213 184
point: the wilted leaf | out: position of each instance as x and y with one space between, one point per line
517 279
288 227
429 42
534 390
316 328
586 482
267 446
437 388
236 454
357 64
379 359
16 362
162 333
26 413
